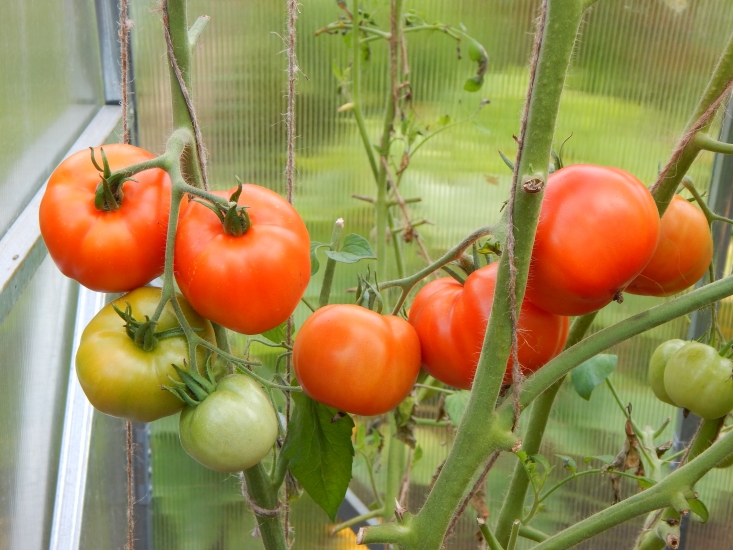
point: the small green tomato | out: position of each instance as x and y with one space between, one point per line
233 428
699 379
657 364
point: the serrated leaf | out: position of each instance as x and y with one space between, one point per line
594 371
315 264
474 83
355 248
455 406
606 459
568 463
698 508
319 452
277 334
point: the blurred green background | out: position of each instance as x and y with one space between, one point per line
638 69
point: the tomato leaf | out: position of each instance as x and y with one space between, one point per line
646 482
698 508
568 463
355 248
277 334
606 459
455 405
320 452
474 83
594 371
315 264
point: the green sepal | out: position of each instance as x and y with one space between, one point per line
214 209
506 160
181 393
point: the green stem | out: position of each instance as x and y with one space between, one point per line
481 432
667 492
513 536
530 533
489 537
513 505
705 142
396 244
395 469
669 179
264 497
373 483
338 227
357 519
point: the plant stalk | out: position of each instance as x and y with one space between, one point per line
338 227
264 497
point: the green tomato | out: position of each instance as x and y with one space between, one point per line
699 379
657 364
120 378
233 428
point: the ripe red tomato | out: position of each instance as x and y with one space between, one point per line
107 251
683 255
451 320
250 283
356 360
598 229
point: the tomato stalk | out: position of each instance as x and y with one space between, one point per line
338 228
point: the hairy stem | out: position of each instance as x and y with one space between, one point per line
266 507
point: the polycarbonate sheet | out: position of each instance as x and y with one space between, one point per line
35 339
637 73
50 87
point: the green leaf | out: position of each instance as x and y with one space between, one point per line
646 482
475 51
315 264
474 83
444 120
698 508
568 463
355 248
277 334
416 455
455 405
594 371
606 459
319 452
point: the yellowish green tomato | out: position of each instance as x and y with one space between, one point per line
697 378
119 377
657 364
233 428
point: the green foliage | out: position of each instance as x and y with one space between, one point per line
594 371
455 405
277 334
355 248
319 451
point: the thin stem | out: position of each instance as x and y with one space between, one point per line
530 533
397 245
338 227
357 519
513 536
373 483
431 422
488 536
704 141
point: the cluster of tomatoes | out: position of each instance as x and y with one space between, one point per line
243 261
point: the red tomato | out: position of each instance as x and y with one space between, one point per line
250 283
356 360
598 229
683 255
451 320
106 251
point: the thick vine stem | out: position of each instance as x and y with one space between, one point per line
668 492
513 505
690 145
265 506
481 431
408 283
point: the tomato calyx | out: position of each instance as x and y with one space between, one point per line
108 195
143 332
193 387
234 218
367 294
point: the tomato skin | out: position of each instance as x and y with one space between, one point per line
106 251
683 255
356 360
121 379
697 378
598 228
657 365
451 320
233 428
251 283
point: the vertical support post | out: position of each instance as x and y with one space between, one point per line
721 202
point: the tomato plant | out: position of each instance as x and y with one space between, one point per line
356 360
657 365
231 429
249 282
122 379
451 319
683 254
598 228
107 250
697 378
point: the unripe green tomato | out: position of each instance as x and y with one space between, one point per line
233 428
657 364
699 379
